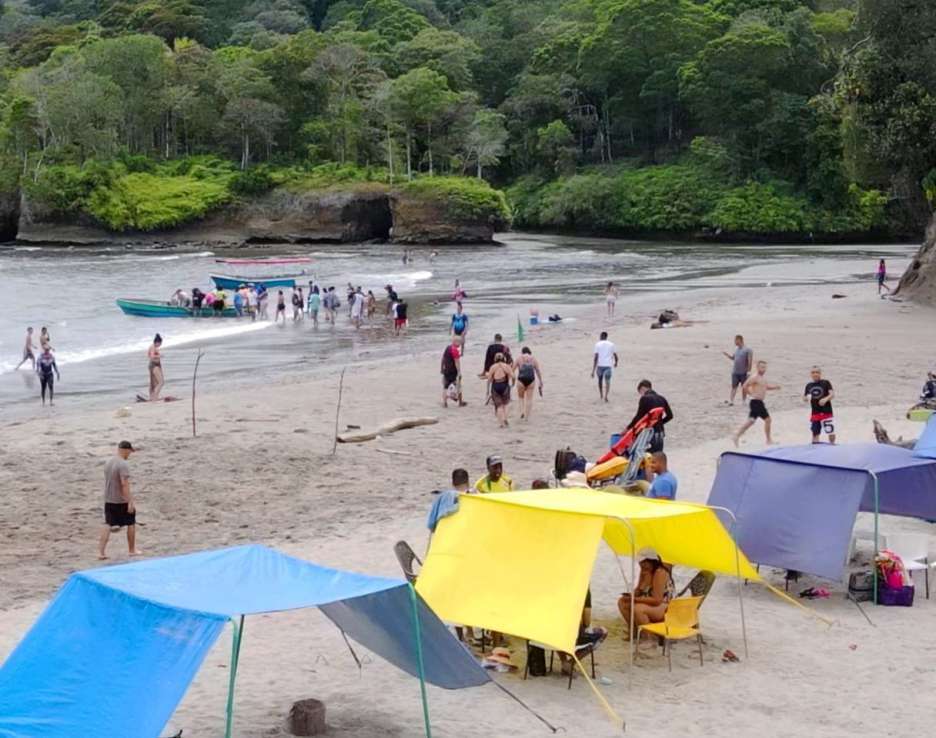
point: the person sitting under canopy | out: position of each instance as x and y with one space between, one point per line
653 592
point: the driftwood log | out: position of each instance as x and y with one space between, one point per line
391 427
307 717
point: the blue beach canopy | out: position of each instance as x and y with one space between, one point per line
117 648
925 447
795 506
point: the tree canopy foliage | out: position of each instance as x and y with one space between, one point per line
777 115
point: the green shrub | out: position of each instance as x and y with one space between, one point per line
149 202
324 176
254 181
468 198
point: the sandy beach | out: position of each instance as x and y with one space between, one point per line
262 470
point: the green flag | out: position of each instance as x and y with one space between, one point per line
519 329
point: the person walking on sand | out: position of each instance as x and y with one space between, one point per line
500 379
757 388
743 358
156 378
528 372
611 296
819 394
603 364
459 326
45 367
451 375
28 350
882 277
119 505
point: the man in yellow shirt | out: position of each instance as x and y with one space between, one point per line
495 480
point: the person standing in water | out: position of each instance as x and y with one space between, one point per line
528 372
28 350
280 307
882 277
315 304
45 368
611 295
119 505
459 294
45 341
757 388
156 378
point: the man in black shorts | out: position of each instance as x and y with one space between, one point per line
757 388
119 506
451 372
819 394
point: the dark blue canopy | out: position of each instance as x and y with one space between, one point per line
115 651
795 506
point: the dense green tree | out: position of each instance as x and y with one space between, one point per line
420 97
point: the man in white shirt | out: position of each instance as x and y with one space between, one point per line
605 360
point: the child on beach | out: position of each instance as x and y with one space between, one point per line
757 388
280 307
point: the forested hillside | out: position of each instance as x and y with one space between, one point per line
737 116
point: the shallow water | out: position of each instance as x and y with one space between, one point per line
102 352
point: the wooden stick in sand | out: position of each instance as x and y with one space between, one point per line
338 410
194 377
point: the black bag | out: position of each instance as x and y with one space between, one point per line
861 586
568 461
536 661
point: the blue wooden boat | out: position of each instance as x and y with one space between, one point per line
159 309
232 283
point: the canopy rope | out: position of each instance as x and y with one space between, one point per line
526 707
601 698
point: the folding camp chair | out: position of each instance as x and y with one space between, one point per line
406 556
580 653
635 455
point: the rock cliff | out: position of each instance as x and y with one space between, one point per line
919 281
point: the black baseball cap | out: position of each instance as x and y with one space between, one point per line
126 445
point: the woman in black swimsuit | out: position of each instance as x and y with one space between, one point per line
500 378
528 371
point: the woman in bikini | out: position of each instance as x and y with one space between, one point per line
528 372
45 341
500 377
155 369
654 591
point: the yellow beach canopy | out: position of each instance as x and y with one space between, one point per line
520 562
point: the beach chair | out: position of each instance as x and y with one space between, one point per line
680 622
581 653
406 556
699 586
913 550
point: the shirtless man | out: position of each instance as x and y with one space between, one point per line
28 350
757 388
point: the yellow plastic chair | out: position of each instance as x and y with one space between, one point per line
680 622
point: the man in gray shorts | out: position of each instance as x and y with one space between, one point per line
743 362
603 364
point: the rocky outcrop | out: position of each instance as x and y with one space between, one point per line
362 212
418 219
9 214
329 216
919 281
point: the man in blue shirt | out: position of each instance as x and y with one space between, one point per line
664 483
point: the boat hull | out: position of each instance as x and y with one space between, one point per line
156 309
232 283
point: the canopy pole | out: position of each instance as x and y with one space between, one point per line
877 512
419 659
737 554
235 656
631 637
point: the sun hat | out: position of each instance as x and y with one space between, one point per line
500 654
648 553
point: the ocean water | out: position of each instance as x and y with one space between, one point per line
102 353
